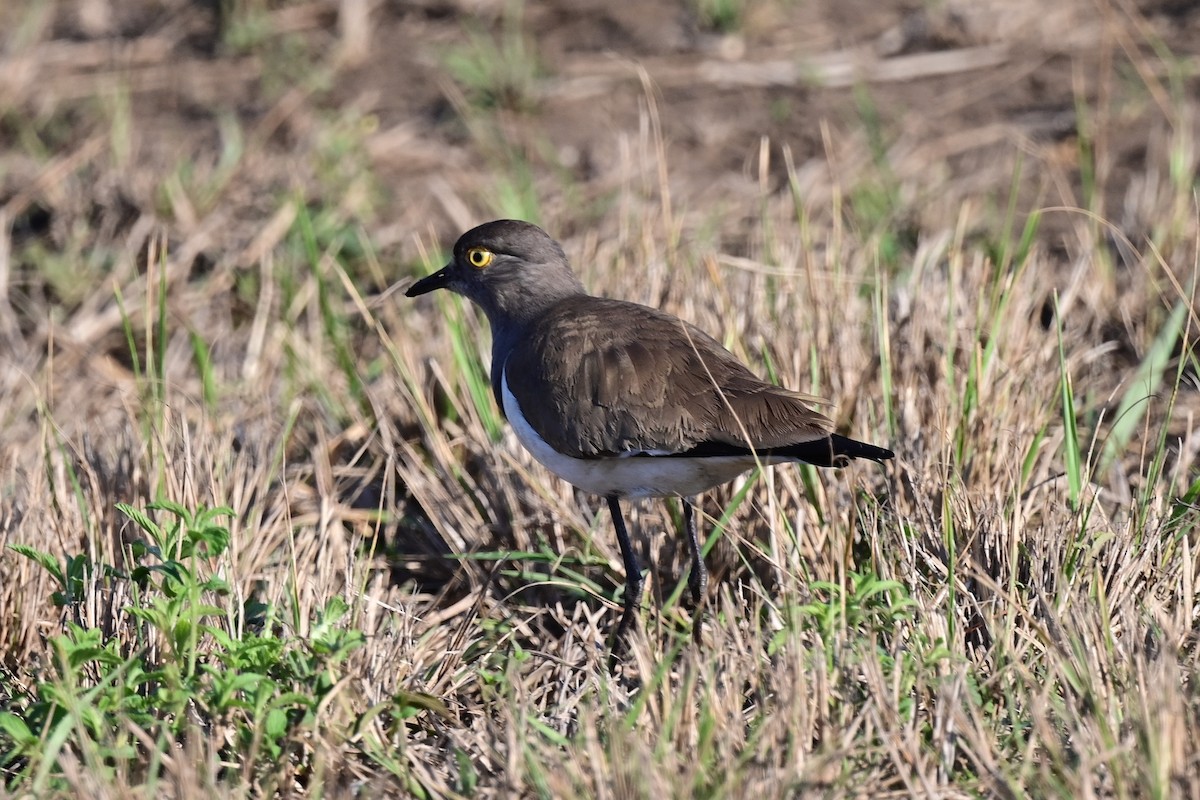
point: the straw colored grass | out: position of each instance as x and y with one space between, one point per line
1008 609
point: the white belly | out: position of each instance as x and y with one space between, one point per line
626 476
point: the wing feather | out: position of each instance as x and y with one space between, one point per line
608 378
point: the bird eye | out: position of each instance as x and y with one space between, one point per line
479 257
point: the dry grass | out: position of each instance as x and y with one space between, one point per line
1009 609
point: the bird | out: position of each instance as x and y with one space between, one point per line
622 400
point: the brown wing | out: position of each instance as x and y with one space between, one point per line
605 377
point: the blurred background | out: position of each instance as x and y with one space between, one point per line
415 120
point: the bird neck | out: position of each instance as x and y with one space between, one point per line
514 305
514 322
511 326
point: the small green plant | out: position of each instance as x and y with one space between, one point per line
189 660
497 71
867 604
854 619
1144 385
720 16
197 189
1074 458
877 207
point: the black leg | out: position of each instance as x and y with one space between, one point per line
697 574
633 575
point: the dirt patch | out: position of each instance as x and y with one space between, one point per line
943 102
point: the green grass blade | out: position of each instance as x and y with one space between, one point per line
1143 386
203 358
1072 456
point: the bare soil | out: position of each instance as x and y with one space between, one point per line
942 99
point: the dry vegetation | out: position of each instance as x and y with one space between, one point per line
272 537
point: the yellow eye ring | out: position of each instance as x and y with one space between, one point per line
479 257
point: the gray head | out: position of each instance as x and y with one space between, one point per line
511 269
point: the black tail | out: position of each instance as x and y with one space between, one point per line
836 451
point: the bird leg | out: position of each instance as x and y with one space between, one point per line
697 574
633 574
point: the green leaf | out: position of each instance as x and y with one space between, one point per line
553 736
203 358
276 723
408 704
142 520
17 730
1072 456
45 560
1143 385
468 778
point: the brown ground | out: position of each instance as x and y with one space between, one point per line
959 92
